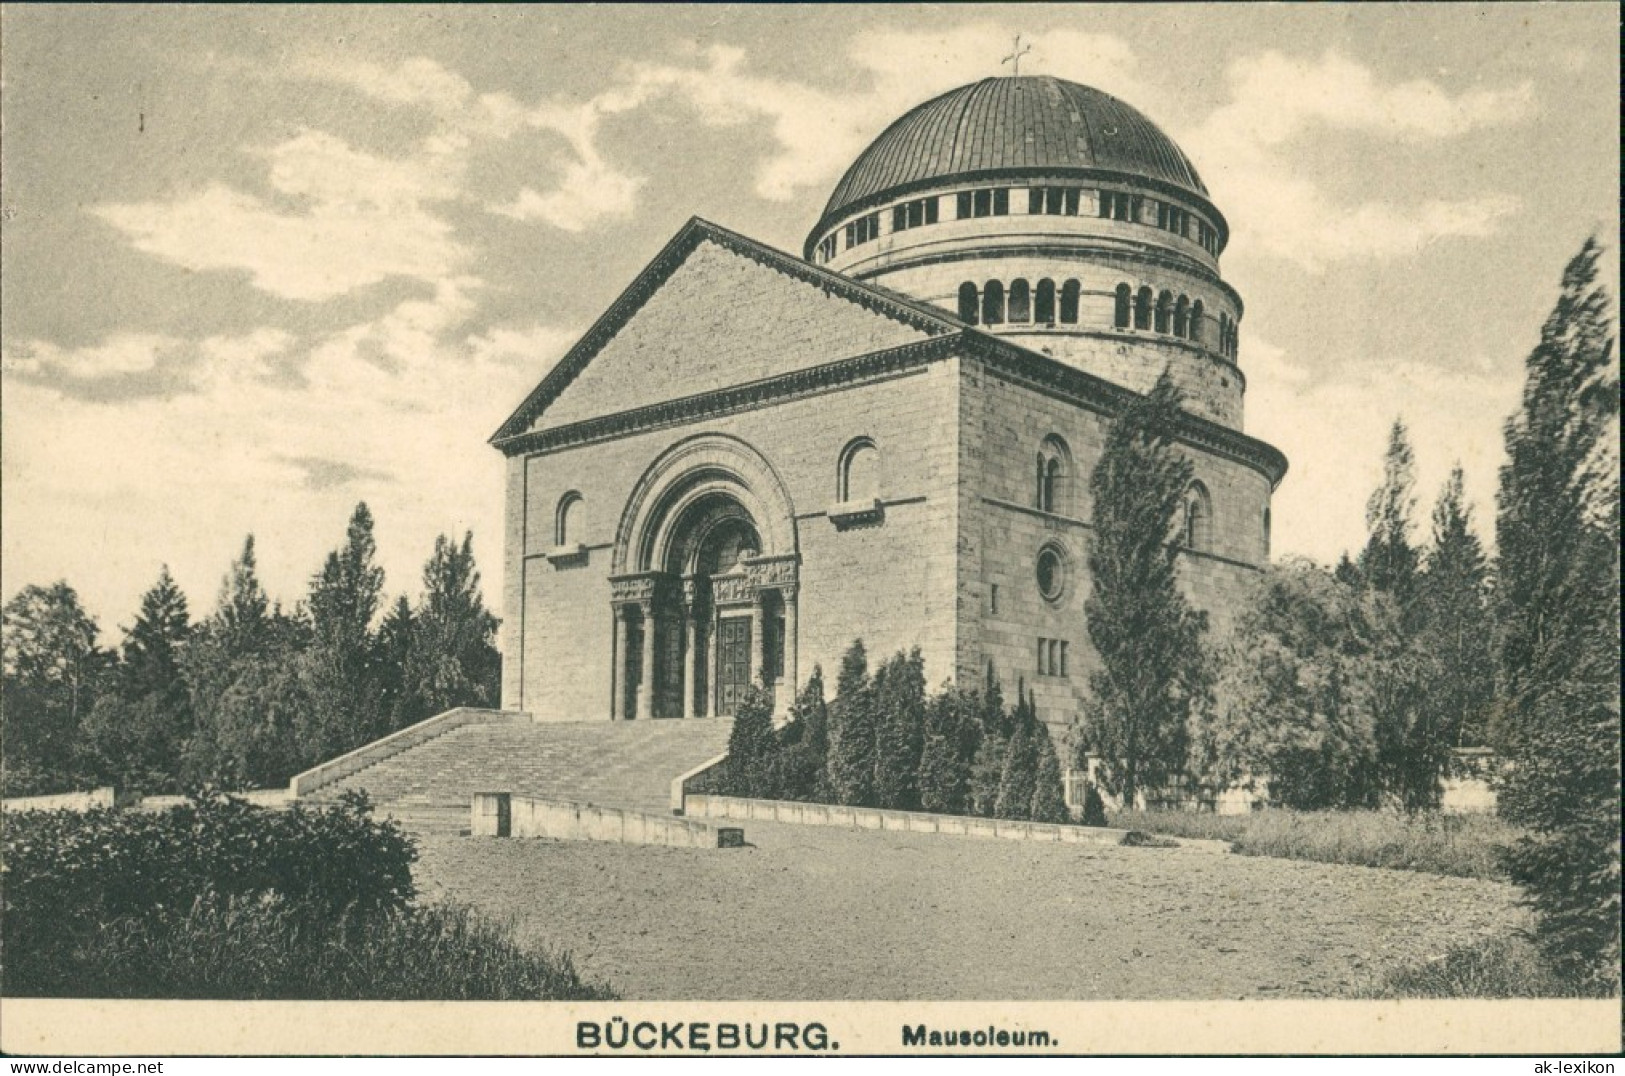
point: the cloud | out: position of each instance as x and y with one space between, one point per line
1259 153
120 355
1453 415
325 474
394 410
362 219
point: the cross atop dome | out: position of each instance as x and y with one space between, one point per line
1017 51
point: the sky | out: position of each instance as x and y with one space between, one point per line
262 263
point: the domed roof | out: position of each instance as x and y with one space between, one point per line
1028 123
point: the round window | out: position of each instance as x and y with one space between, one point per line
1051 573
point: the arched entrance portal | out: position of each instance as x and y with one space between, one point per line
704 594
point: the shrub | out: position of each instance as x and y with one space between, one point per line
1508 967
945 765
65 875
247 948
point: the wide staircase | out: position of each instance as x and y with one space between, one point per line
428 787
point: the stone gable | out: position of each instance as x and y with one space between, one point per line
721 319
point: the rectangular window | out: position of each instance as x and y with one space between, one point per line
1035 201
1063 657
1043 651
993 598
983 202
899 218
962 203
1071 201
1001 201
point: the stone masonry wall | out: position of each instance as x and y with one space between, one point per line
1002 532
892 583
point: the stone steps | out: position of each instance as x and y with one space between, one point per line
629 764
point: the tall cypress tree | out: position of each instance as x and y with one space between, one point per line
1557 527
453 660
1147 636
1019 777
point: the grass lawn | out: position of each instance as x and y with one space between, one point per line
1463 845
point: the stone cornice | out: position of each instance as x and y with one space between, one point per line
883 301
1043 374
1009 361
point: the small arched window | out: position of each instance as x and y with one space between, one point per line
993 303
1054 490
859 472
1142 309
968 301
1069 302
1182 317
1044 302
1266 532
1020 301
1165 312
1123 311
1198 518
1196 321
566 519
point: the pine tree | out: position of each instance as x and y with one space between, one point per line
1147 637
899 694
1389 562
399 699
1557 528
1049 790
852 732
1456 631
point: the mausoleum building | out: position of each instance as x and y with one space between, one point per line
752 458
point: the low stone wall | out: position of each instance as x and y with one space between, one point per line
500 814
303 784
64 801
679 785
702 805
259 797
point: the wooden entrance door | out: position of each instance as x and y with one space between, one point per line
733 663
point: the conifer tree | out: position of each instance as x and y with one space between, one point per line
341 672
1389 561
136 734
899 696
852 731
751 745
1049 788
1019 777
944 777
987 748
1147 636
1456 633
1557 527
453 660
803 744
241 614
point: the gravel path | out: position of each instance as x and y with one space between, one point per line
824 913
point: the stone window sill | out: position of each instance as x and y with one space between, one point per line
866 513
567 555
